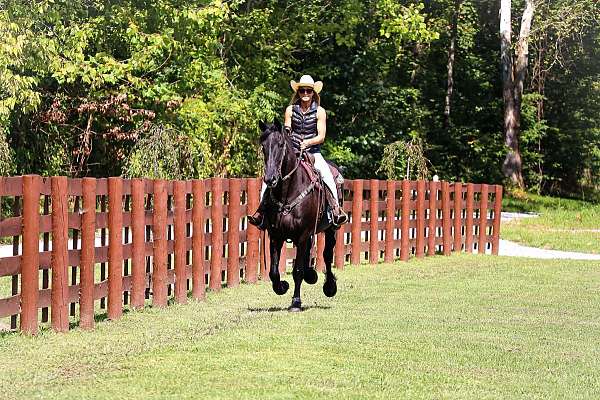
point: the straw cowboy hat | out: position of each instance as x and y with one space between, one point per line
307 81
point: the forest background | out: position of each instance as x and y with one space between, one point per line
175 88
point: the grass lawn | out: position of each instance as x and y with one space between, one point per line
563 224
443 327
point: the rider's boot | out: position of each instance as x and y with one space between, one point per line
337 213
258 219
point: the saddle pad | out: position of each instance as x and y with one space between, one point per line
309 170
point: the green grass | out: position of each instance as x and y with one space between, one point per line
444 327
563 224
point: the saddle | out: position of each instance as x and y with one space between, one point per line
308 163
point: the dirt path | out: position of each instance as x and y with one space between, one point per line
512 249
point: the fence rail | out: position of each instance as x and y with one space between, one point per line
131 242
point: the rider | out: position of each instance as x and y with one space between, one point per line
306 119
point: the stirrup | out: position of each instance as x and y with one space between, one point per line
339 219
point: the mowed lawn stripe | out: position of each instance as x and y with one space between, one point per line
442 327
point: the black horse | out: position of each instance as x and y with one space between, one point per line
294 212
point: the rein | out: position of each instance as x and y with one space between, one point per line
288 175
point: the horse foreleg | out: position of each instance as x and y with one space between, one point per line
300 264
280 287
329 287
310 275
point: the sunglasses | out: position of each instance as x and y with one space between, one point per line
305 90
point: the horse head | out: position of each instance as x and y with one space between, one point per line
273 143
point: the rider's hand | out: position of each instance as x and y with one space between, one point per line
304 144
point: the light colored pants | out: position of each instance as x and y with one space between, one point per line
323 168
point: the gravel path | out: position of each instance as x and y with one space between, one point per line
513 249
508 248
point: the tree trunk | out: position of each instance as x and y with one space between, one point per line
522 58
450 66
513 78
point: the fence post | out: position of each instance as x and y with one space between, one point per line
75 240
30 258
87 264
138 256
483 208
233 233
265 256
340 239
431 223
59 312
115 248
283 258
446 223
179 193
405 220
420 251
252 232
469 220
45 247
373 222
198 280
390 219
497 216
457 216
319 252
340 246
357 199
216 252
159 227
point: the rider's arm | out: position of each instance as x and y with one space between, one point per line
321 129
287 119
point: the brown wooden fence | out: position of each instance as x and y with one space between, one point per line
82 243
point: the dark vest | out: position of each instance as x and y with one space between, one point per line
304 126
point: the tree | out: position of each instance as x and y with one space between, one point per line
513 77
450 67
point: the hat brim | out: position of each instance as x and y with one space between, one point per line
317 86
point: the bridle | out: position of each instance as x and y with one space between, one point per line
298 159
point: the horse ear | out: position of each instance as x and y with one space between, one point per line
262 126
277 124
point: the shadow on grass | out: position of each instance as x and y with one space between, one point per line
280 309
7 333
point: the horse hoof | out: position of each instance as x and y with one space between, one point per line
330 288
296 305
281 288
310 276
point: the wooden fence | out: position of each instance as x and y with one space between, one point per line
82 243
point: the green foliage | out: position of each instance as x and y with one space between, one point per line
532 133
83 83
161 154
6 162
223 129
405 160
